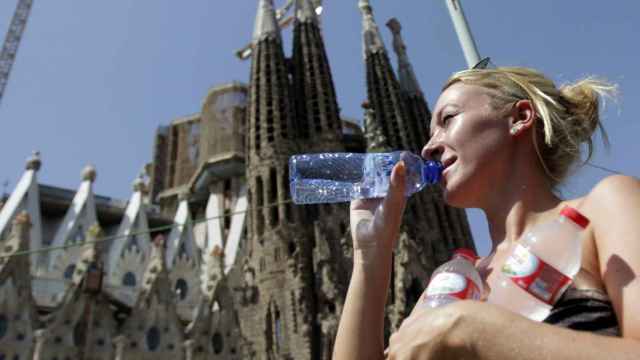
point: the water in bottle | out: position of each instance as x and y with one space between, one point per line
541 266
454 280
341 177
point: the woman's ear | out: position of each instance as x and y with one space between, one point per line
523 117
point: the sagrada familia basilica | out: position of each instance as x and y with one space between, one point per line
209 258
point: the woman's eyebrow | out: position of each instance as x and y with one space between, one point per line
435 117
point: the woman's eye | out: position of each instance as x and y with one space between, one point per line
446 118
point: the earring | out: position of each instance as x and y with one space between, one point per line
515 129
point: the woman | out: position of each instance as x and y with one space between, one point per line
507 137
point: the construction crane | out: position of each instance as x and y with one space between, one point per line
283 22
12 41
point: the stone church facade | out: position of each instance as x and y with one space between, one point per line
209 258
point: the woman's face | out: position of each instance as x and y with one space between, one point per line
472 140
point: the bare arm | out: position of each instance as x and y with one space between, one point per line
374 227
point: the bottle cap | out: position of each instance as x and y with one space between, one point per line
575 216
466 253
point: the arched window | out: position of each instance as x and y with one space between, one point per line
278 332
129 279
217 343
153 338
181 288
68 272
4 326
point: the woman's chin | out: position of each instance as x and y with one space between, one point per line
453 196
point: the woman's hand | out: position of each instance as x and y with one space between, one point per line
375 223
441 333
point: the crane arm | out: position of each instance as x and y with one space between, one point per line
12 41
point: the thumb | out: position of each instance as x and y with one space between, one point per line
388 216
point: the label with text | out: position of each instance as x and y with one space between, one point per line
453 284
535 276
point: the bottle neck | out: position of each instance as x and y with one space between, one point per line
463 257
431 172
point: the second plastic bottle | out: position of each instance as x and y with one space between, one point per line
454 280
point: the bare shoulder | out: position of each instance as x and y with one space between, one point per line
615 185
612 199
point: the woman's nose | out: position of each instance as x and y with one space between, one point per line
432 150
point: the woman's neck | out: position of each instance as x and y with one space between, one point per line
523 200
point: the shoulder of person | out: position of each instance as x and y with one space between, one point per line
615 189
613 201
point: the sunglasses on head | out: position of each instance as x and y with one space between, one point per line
484 64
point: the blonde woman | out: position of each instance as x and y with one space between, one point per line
507 138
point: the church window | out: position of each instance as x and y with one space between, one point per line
295 313
274 219
181 288
153 338
259 204
217 342
129 279
276 254
285 186
4 325
68 272
263 264
278 332
79 333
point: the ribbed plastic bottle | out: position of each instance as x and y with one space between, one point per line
454 280
342 177
541 266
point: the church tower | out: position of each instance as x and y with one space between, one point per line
431 230
317 114
453 222
320 130
418 112
279 321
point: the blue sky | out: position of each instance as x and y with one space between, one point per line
93 80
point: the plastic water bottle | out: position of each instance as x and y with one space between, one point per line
541 266
341 177
454 280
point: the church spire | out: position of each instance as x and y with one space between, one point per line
406 75
418 113
266 23
383 90
371 39
305 11
317 112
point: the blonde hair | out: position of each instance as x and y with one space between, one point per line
569 114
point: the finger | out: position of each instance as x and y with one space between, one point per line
389 215
395 199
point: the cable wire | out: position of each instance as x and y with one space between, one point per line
156 229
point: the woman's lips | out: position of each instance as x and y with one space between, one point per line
448 163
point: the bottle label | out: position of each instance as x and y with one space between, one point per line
535 276
452 284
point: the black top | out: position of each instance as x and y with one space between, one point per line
585 310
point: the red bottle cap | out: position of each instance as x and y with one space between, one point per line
575 216
468 254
